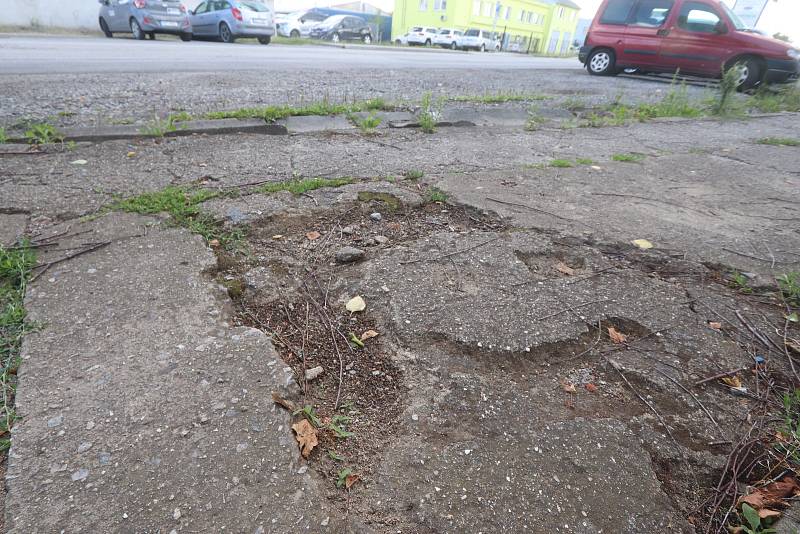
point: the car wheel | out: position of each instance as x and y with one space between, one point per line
335 38
186 37
136 30
602 62
225 33
748 73
265 40
104 28
483 48
367 39
428 42
453 46
294 34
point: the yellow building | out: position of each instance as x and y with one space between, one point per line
535 26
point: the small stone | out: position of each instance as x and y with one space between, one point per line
376 216
349 230
241 447
414 417
80 475
314 372
173 531
90 425
124 516
176 514
55 421
385 289
381 239
349 254
325 521
302 470
85 446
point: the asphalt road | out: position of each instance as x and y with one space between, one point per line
24 54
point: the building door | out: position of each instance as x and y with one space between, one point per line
551 49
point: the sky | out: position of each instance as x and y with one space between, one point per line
779 16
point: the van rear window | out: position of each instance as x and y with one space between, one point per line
617 12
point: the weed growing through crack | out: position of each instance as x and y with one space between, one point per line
534 120
779 141
723 104
628 158
159 127
561 163
414 174
584 161
769 99
428 114
500 98
299 186
754 522
341 478
435 194
180 116
740 282
15 267
42 134
324 107
308 412
789 285
368 123
3 136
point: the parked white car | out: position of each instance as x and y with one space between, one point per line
419 35
481 40
447 38
298 23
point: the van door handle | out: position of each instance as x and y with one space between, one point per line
662 32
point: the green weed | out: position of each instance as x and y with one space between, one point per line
297 186
341 478
789 285
181 116
628 158
723 104
740 282
779 141
676 103
754 522
42 134
428 113
159 127
499 98
584 161
414 174
534 120
768 99
436 195
367 124
309 413
335 457
66 114
561 163
15 268
3 136
324 107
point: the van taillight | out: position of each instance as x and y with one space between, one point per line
236 13
140 4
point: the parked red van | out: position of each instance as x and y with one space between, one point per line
697 37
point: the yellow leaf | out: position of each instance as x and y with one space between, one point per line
356 304
733 381
306 436
643 244
616 336
131 154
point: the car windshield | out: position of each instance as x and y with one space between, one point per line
416 29
445 32
254 6
472 33
735 20
331 21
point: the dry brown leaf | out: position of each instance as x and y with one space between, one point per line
764 513
591 388
714 325
306 436
369 334
616 336
311 236
277 399
350 480
733 381
214 243
772 495
794 345
564 268
569 387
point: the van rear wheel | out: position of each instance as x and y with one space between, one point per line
602 62
104 28
748 72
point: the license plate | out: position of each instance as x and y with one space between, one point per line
260 21
168 24
173 11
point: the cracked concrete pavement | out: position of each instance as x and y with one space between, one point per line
145 408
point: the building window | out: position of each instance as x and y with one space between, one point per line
522 16
487 9
423 5
439 5
508 12
530 17
476 8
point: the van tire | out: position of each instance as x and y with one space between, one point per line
265 40
225 33
428 42
483 48
104 28
602 62
136 30
186 37
294 34
752 72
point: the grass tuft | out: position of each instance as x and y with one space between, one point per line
428 114
42 134
500 98
628 158
159 127
324 107
435 194
15 268
414 174
3 136
367 124
779 141
298 187
561 163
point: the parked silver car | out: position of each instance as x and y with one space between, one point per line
144 18
230 19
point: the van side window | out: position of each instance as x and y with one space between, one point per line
652 13
698 17
617 12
